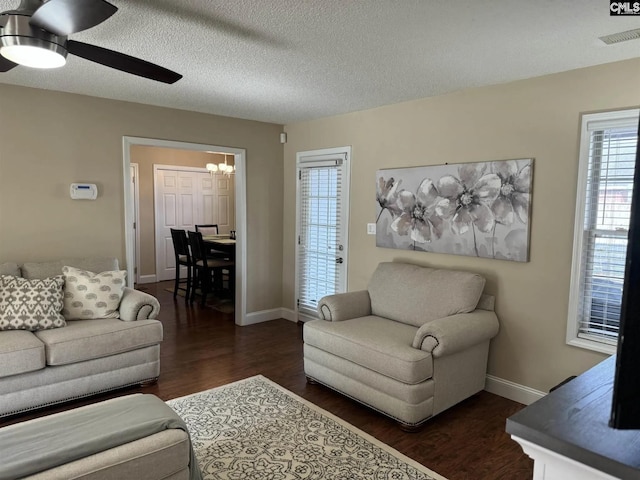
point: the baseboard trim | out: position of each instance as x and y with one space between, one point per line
268 315
512 391
147 279
289 314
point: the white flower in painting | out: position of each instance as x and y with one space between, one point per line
387 196
468 199
418 216
514 197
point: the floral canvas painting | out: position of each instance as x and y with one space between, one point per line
478 209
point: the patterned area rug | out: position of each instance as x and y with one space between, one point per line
255 429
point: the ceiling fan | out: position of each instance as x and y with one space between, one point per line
35 35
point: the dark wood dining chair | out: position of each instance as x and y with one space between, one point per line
208 272
183 257
211 229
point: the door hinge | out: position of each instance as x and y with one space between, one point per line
299 174
299 240
298 303
134 225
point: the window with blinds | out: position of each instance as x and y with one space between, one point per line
607 164
320 233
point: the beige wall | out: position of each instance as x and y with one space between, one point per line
537 118
50 139
146 157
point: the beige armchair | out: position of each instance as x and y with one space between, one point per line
412 345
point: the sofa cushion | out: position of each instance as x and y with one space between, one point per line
49 269
378 344
415 295
30 304
20 352
10 269
92 295
87 339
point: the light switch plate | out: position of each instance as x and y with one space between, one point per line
371 228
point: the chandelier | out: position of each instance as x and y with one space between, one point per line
223 168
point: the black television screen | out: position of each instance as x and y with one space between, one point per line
625 410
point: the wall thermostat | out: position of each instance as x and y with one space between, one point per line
84 191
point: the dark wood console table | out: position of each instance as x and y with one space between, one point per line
567 432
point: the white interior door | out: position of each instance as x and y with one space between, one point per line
321 227
182 200
225 207
218 204
175 208
208 198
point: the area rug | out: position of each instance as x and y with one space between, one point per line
255 429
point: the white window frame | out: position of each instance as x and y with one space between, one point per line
615 118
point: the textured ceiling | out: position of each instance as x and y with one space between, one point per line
283 61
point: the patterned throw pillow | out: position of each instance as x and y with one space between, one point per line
30 304
92 295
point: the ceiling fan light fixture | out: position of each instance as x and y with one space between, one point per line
25 45
33 56
36 35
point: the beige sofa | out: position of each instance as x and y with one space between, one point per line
86 356
412 345
131 437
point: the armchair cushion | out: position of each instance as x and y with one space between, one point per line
375 343
92 295
446 336
415 295
344 306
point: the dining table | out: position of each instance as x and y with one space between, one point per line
221 243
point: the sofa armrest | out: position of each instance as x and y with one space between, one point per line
137 305
449 335
343 306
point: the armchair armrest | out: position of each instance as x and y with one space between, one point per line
137 305
343 306
448 335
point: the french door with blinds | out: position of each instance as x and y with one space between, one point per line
321 227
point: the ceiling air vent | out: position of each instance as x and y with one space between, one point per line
621 37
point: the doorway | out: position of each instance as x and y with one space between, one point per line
239 156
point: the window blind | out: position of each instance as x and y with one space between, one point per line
611 164
319 234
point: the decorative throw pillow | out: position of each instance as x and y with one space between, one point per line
92 295
31 304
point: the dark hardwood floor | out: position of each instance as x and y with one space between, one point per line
203 348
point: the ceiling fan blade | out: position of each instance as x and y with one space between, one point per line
122 62
63 17
6 65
